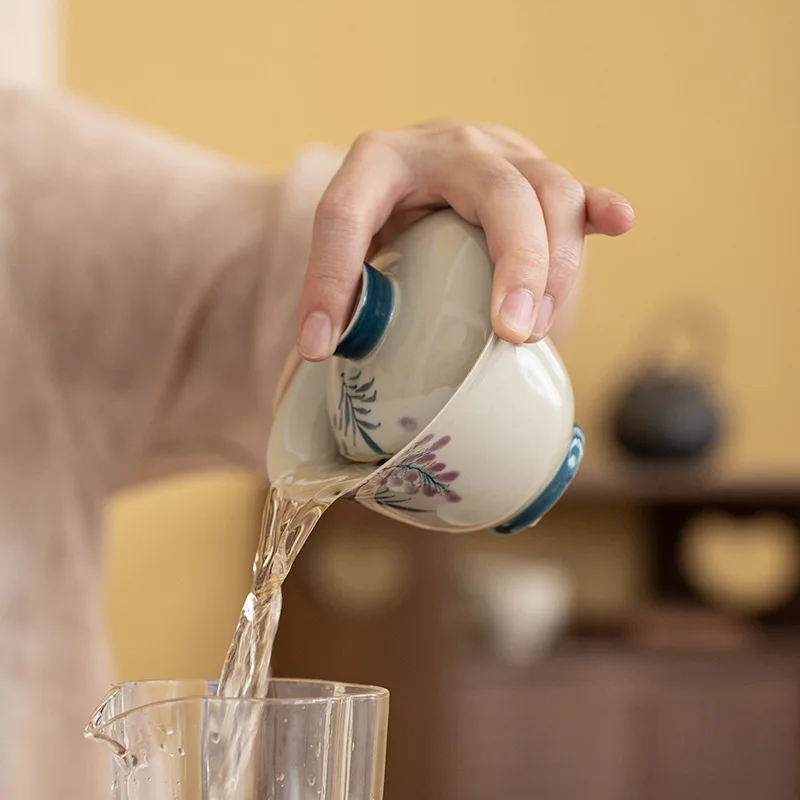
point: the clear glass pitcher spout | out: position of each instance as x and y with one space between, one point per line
176 740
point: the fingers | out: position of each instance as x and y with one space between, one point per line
355 205
606 212
487 190
289 368
516 233
536 265
506 140
563 203
534 213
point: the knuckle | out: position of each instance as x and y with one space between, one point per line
565 262
339 209
369 141
502 180
528 261
330 282
530 164
568 189
536 152
467 137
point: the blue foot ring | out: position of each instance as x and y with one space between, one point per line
371 318
532 513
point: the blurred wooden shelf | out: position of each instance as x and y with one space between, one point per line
629 482
600 717
617 657
609 722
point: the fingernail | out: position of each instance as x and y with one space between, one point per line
516 312
543 317
621 201
316 339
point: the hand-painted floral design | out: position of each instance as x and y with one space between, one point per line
420 474
351 415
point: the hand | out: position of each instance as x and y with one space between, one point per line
534 213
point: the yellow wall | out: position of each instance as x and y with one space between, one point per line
179 564
688 108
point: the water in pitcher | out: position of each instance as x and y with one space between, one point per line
294 506
287 522
245 736
308 740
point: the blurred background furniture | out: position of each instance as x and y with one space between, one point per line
640 708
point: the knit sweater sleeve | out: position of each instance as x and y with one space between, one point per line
147 299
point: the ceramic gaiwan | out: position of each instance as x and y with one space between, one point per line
444 425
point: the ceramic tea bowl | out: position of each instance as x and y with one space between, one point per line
421 321
424 414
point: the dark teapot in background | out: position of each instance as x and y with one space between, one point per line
668 410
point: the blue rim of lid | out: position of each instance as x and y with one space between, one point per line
371 317
533 512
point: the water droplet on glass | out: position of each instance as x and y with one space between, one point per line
281 777
318 749
170 732
352 746
249 608
312 779
162 746
215 737
130 760
181 751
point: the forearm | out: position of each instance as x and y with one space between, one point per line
140 264
133 275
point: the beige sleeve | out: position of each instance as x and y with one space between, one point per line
147 300
147 271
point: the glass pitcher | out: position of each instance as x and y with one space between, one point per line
172 740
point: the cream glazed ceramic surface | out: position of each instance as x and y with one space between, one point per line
498 455
425 415
421 321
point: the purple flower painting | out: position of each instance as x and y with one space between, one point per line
420 474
